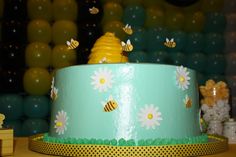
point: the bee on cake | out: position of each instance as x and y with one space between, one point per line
127 47
170 43
72 44
110 105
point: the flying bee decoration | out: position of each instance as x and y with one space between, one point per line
127 29
127 47
72 44
110 105
94 10
170 43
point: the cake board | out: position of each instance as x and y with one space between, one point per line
215 144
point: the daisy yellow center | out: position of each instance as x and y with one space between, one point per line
150 116
102 80
182 79
58 124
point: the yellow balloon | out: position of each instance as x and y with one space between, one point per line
63 57
154 17
115 27
174 20
194 22
37 81
212 5
38 54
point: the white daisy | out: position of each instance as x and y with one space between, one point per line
149 116
54 90
61 122
103 60
102 79
182 78
187 101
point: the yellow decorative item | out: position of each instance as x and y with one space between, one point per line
107 49
94 10
127 29
72 44
216 144
2 117
170 43
213 92
6 142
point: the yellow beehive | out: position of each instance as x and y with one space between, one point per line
6 142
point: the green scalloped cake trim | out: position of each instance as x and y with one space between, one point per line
122 142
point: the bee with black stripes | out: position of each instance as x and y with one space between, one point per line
110 105
72 44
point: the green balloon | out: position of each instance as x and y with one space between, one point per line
34 126
16 125
36 106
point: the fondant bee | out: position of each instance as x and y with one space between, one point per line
110 105
128 29
127 46
93 10
170 43
72 44
103 60
2 117
187 102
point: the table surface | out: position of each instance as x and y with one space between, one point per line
21 150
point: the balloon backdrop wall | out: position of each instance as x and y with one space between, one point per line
33 36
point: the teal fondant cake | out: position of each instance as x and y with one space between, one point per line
125 104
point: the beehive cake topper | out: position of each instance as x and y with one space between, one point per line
109 49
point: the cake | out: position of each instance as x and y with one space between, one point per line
125 104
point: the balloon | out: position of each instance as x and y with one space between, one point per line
12 55
16 125
11 80
231 22
39 9
38 54
138 39
36 106
174 20
34 126
230 42
216 77
131 2
197 61
160 57
84 13
214 43
37 81
231 64
65 10
156 38
112 11
180 39
15 10
89 33
13 31
231 81
115 27
106 1
212 5
192 8
215 64
1 8
137 57
149 3
11 106
154 17
201 79
215 22
134 15
194 22
39 31
195 42
63 57
178 58
63 31
229 6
